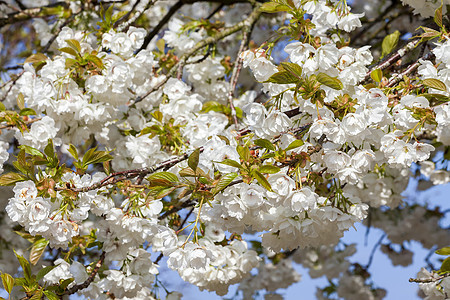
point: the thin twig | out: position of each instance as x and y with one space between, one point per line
398 77
11 86
91 277
218 8
395 57
129 174
209 40
371 23
429 280
235 75
164 20
29 13
373 251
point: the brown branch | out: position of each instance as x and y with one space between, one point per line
174 9
11 86
127 15
65 23
395 57
164 20
31 13
209 40
136 16
246 32
398 77
91 277
20 4
218 8
26 123
429 280
370 23
372 253
129 174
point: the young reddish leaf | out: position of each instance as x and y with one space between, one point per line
11 178
37 250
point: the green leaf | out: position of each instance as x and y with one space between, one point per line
25 266
294 144
65 283
272 7
263 143
445 267
20 101
389 43
95 157
68 50
8 282
163 175
224 181
49 149
27 112
73 151
230 162
329 81
95 60
20 282
376 75
164 192
187 172
118 15
74 44
36 58
37 295
108 14
244 153
161 45
438 16
26 236
70 62
435 84
262 180
193 159
42 272
443 251
37 250
2 106
51 295
292 68
438 97
283 77
11 179
31 150
269 169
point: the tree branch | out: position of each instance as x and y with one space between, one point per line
209 40
373 251
30 13
429 280
164 20
398 77
395 57
91 277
